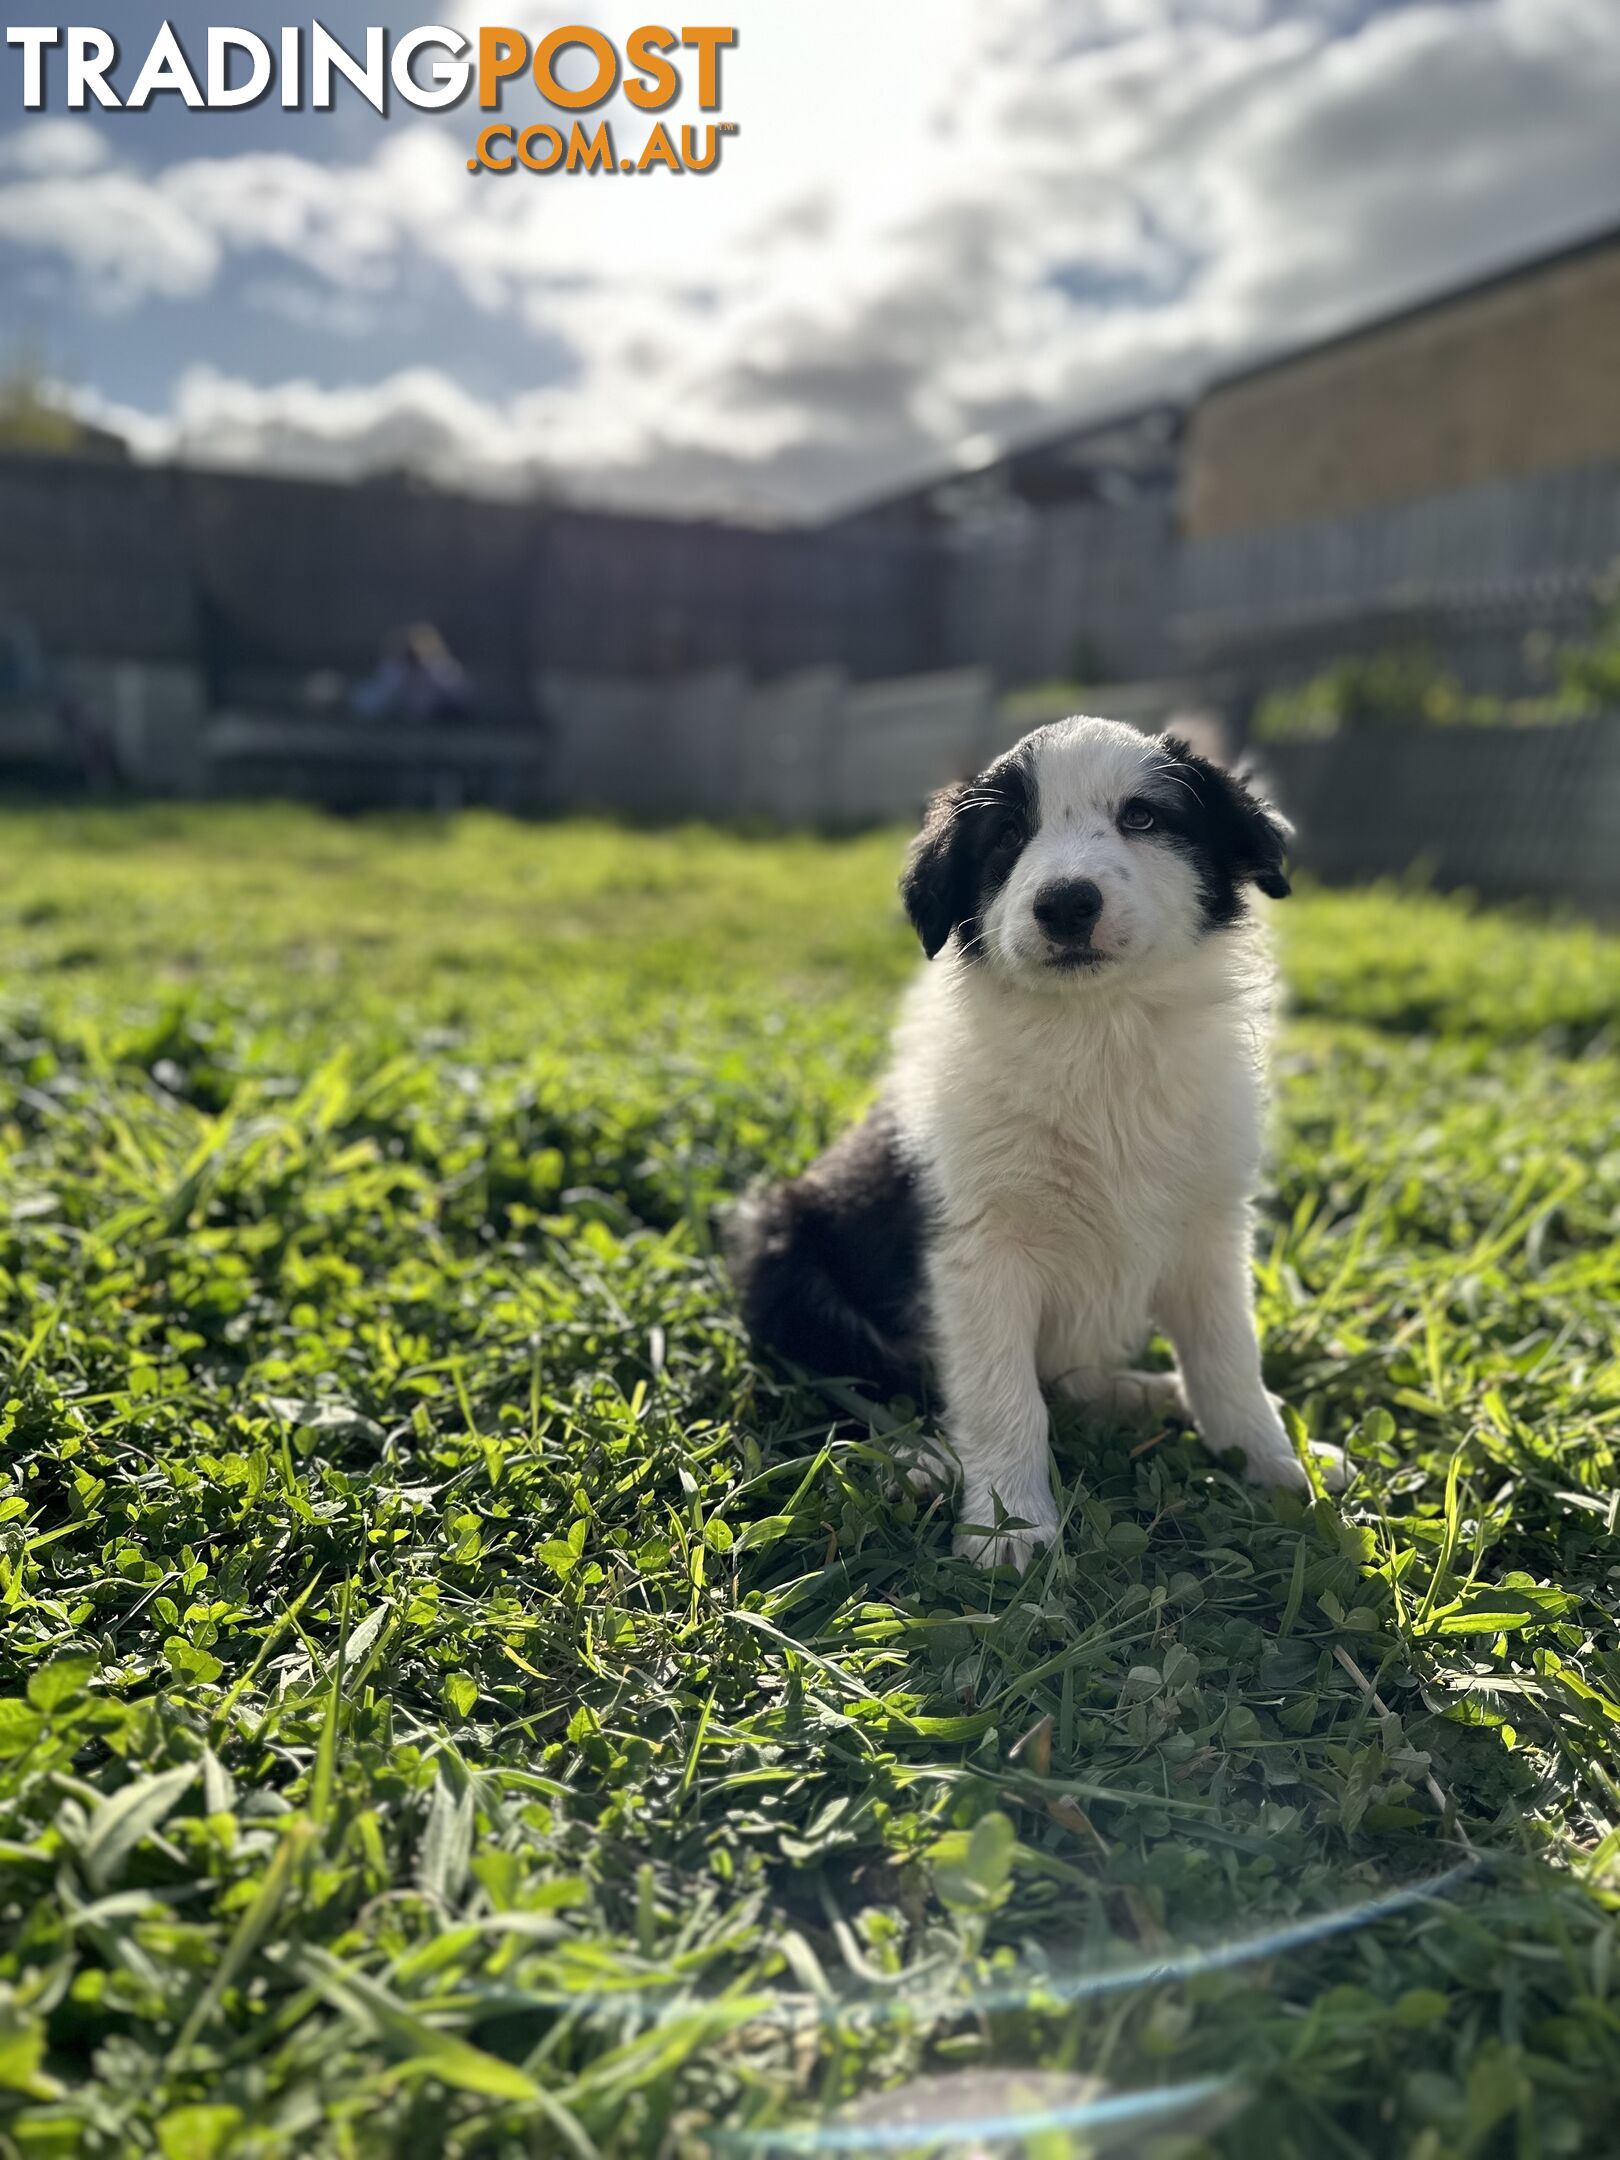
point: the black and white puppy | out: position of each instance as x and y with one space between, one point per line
1065 1147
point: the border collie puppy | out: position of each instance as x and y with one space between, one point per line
1063 1152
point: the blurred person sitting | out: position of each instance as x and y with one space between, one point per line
416 678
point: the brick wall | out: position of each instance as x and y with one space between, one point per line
1516 377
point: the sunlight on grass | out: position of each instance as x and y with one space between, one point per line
454 1701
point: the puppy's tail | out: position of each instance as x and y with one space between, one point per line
783 1259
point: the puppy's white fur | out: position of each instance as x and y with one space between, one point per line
1090 1148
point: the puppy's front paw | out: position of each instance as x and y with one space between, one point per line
1333 1465
1025 1529
1280 1468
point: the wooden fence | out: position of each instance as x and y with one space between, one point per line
1509 812
1468 574
809 748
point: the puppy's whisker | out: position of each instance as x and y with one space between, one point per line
1172 778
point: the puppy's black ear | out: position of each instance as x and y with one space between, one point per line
937 883
1251 834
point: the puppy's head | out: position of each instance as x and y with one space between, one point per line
1087 852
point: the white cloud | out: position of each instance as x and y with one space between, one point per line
417 416
938 226
336 224
123 237
53 144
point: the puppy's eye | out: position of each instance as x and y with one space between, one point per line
1136 817
1009 834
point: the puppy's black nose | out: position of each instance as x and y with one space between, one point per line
1068 908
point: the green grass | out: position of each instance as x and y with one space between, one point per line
457 1702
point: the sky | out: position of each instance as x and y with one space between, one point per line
942 226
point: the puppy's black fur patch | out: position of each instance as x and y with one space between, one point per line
1232 835
829 1264
972 835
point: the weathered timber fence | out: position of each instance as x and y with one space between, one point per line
1508 812
810 748
1468 575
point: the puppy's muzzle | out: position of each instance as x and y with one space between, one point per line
1067 911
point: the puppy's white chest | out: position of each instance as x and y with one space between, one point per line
1091 1193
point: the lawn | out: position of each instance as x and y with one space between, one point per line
457 1702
